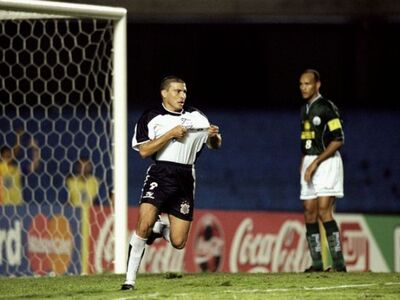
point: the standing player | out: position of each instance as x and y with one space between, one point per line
83 186
16 165
173 137
321 170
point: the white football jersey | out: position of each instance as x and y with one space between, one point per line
156 122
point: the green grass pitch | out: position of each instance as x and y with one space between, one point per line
208 286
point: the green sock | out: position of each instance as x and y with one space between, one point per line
314 243
335 245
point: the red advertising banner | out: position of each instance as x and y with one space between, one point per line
248 241
40 240
226 241
101 241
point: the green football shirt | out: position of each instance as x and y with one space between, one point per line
320 124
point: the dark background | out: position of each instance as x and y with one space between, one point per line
241 60
256 66
244 54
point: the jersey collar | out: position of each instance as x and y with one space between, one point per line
173 112
308 105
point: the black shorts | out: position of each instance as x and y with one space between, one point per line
170 187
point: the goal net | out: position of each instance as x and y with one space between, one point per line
62 138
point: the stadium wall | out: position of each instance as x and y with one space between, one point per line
248 241
256 202
47 242
258 166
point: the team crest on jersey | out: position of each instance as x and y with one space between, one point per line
307 125
185 208
316 120
187 122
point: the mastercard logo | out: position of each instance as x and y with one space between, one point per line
50 244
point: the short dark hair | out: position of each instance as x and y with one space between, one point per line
317 77
166 81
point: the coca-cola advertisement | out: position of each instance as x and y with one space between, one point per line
242 241
219 241
249 242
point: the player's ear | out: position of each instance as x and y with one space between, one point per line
318 84
163 93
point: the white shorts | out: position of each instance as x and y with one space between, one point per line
327 179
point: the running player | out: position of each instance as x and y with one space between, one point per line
321 170
173 136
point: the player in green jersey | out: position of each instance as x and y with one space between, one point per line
321 170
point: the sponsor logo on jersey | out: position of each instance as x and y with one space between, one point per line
316 120
149 195
188 123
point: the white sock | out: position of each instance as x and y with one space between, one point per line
165 234
158 225
137 245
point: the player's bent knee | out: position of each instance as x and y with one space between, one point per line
179 246
178 243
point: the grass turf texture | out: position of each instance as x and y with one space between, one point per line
208 286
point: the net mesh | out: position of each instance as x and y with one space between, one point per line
56 141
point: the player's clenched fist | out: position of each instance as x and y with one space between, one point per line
213 130
214 137
179 132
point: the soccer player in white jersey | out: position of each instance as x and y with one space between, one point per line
173 135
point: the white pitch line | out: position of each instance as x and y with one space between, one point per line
392 283
154 295
346 286
304 288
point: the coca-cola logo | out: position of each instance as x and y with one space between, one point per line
159 257
104 247
209 243
162 257
50 244
284 251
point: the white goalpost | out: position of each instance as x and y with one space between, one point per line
64 89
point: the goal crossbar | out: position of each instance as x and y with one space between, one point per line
65 9
119 17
